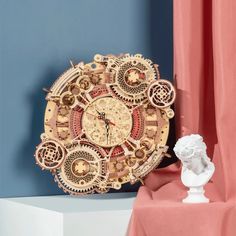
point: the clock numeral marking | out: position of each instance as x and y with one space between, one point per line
62 124
151 122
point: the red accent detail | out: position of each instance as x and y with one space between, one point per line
98 91
75 121
138 124
142 75
116 152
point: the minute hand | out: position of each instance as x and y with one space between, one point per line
107 128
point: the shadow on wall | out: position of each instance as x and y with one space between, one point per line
161 48
42 180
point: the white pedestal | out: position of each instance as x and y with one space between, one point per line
106 215
196 195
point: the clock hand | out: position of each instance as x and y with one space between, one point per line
107 128
101 114
111 123
99 117
91 114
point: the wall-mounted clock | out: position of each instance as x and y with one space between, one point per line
106 123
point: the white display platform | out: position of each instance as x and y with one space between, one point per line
105 215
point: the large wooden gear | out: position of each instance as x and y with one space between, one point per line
106 123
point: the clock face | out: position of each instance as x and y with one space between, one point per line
106 124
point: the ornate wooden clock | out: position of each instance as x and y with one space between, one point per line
106 123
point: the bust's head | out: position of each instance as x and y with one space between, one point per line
191 150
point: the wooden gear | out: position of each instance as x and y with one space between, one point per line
106 123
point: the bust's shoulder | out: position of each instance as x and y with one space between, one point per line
210 166
190 179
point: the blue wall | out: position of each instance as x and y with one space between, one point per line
37 40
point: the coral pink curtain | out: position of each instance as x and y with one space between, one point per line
205 72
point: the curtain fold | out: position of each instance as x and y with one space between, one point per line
224 54
205 69
193 66
205 79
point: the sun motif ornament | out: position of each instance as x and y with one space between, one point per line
106 123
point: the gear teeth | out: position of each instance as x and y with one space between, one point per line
149 62
64 181
138 55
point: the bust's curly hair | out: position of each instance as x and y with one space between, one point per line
191 146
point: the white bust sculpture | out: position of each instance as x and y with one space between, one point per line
197 168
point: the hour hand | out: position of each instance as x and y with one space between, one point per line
101 114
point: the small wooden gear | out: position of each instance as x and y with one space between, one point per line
106 123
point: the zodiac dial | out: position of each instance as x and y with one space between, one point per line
106 123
